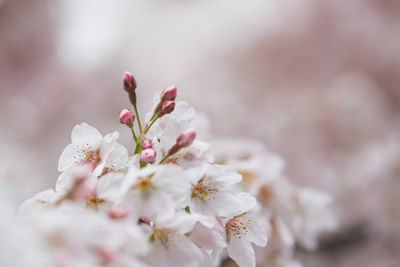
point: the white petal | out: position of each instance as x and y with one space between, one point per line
108 143
257 229
208 238
83 134
109 186
117 158
36 204
228 205
182 221
130 178
159 207
106 148
63 181
184 252
247 202
67 159
173 181
242 252
223 176
99 169
67 179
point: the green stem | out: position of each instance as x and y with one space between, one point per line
134 135
142 164
152 117
151 124
165 158
138 118
137 148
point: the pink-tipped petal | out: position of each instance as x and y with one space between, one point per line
118 212
108 255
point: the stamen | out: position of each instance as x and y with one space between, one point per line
238 226
202 190
88 156
143 184
162 235
93 201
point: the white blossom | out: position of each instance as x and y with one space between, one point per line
90 148
169 204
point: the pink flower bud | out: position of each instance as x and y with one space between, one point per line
148 155
144 219
167 107
127 117
186 138
146 143
118 212
169 94
130 86
129 82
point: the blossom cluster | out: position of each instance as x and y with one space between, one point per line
176 201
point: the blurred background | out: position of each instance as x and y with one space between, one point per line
317 81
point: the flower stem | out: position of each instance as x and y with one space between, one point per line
155 114
165 158
154 118
138 118
137 148
134 135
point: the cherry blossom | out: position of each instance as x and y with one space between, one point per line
89 148
175 201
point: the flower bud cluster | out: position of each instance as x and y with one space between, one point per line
168 203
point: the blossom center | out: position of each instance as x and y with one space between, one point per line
237 226
144 184
92 157
247 176
87 155
162 235
266 194
93 201
202 190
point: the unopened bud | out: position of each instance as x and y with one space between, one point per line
167 107
129 82
127 117
130 86
146 143
169 94
117 212
148 155
186 138
144 219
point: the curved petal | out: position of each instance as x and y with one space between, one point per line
117 158
36 204
109 186
228 205
68 157
257 229
84 134
242 252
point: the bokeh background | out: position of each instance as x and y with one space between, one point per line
317 81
